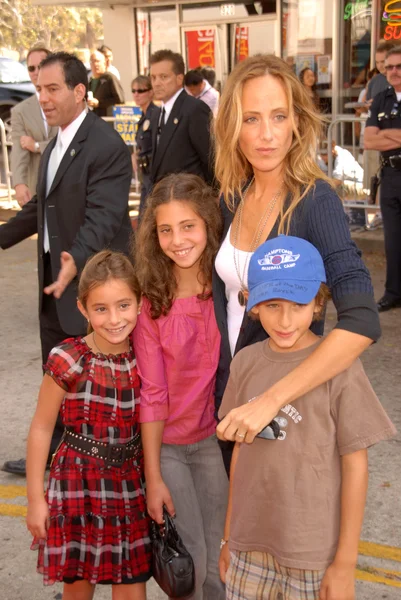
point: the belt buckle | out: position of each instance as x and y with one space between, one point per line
116 454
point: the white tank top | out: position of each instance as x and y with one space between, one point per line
225 267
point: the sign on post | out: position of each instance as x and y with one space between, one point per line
126 120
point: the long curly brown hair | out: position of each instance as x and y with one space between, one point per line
153 268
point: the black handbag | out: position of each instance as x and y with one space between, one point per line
173 567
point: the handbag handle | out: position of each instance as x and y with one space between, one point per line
169 526
166 528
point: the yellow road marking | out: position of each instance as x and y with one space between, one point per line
12 491
396 575
371 574
377 578
12 510
380 551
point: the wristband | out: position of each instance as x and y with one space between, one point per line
223 542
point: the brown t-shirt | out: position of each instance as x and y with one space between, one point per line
286 494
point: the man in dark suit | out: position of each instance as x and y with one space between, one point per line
181 127
80 207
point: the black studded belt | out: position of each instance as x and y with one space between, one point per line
113 454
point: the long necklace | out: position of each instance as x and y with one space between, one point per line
255 240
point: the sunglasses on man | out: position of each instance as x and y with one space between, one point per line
33 68
391 67
140 90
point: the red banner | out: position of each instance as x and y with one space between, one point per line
241 43
200 48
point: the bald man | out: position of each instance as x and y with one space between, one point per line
105 87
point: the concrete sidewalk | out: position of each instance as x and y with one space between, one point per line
380 558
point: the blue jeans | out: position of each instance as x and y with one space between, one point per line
198 485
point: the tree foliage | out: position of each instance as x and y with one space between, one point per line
22 25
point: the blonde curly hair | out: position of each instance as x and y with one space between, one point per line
233 169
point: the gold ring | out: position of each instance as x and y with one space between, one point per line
241 434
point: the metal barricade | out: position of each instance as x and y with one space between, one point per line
7 185
352 176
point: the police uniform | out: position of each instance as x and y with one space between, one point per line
385 113
144 152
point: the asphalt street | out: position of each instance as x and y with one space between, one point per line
379 567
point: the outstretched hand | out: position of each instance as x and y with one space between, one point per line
66 275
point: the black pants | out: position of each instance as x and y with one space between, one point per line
51 334
390 202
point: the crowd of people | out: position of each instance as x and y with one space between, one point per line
184 366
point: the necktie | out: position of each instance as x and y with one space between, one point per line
162 118
161 123
52 167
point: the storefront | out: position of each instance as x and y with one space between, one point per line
335 38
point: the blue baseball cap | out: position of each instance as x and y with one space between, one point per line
286 268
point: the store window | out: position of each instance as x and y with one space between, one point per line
253 38
390 21
355 42
157 29
307 44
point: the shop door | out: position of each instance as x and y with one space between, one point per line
250 38
207 46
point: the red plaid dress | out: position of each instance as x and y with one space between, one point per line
99 529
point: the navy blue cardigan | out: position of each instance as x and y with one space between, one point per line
320 219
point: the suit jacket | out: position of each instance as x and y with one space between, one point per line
184 144
109 92
26 119
86 208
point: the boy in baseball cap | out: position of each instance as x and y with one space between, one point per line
290 271
296 503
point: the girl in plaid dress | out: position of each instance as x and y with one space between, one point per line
92 527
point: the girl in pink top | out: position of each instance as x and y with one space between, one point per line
178 346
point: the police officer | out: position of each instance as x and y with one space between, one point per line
143 95
383 133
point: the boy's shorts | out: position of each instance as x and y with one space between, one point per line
258 576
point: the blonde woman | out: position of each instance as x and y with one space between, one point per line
266 135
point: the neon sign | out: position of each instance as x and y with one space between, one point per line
352 9
392 16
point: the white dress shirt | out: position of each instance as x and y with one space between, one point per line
64 139
210 96
168 106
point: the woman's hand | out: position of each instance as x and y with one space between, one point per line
37 519
224 562
157 496
242 424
